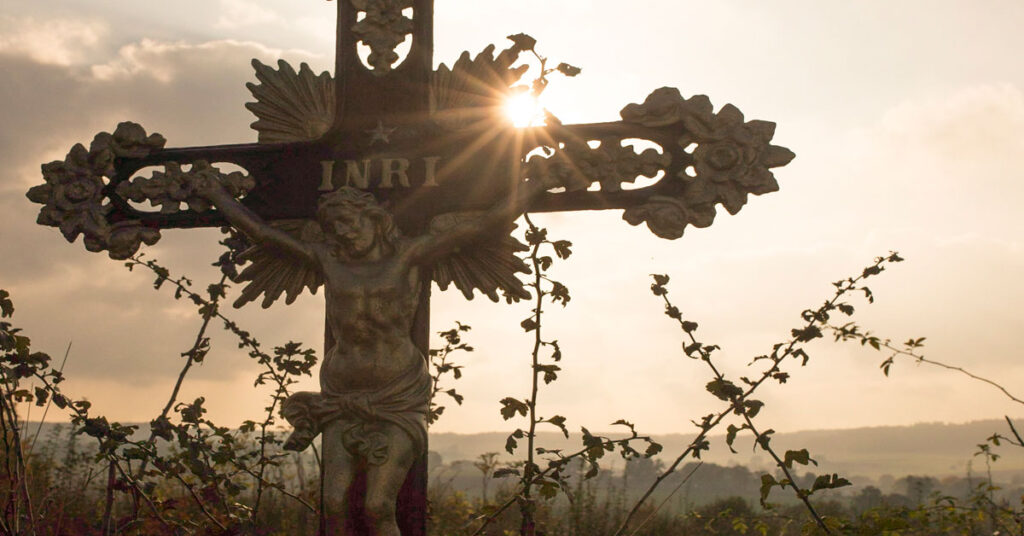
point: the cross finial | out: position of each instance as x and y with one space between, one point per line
390 87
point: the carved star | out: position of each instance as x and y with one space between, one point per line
380 133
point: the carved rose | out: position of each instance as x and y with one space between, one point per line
382 29
729 160
72 196
666 217
666 106
124 239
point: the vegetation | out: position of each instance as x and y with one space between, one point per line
183 474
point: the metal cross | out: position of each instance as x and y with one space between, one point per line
424 142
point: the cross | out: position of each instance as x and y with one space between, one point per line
424 146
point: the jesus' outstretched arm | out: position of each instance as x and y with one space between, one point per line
249 223
429 247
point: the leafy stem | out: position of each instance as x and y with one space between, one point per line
738 397
852 332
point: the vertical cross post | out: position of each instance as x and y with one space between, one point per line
394 95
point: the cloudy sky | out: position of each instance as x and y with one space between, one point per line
907 119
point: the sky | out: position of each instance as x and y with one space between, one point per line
907 119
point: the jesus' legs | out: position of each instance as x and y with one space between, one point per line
339 468
384 481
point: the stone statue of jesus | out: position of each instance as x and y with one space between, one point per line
376 387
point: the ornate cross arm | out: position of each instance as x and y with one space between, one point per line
704 159
76 196
304 149
462 156
92 192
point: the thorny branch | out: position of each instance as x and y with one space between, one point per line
738 397
851 331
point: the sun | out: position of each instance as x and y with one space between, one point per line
524 110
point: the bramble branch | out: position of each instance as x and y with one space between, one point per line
852 332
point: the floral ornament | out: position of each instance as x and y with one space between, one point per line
382 29
73 195
666 107
171 187
576 166
666 216
731 160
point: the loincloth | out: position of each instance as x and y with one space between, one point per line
403 402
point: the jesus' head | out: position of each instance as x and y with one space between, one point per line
355 219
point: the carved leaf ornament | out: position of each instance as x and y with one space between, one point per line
471 89
291 105
383 28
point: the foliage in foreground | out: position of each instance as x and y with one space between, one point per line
188 475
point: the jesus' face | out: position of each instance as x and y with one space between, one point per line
355 232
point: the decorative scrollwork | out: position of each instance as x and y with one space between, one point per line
382 29
732 159
576 165
170 188
73 196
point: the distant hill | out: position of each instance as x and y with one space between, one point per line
936 449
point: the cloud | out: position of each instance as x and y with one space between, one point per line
56 41
177 62
929 176
237 13
951 162
194 95
975 124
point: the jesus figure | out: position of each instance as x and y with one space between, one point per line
376 388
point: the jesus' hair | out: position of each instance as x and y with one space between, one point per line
362 202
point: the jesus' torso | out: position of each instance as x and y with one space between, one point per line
370 310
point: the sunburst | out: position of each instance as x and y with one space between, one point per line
524 110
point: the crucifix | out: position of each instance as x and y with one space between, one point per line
376 181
